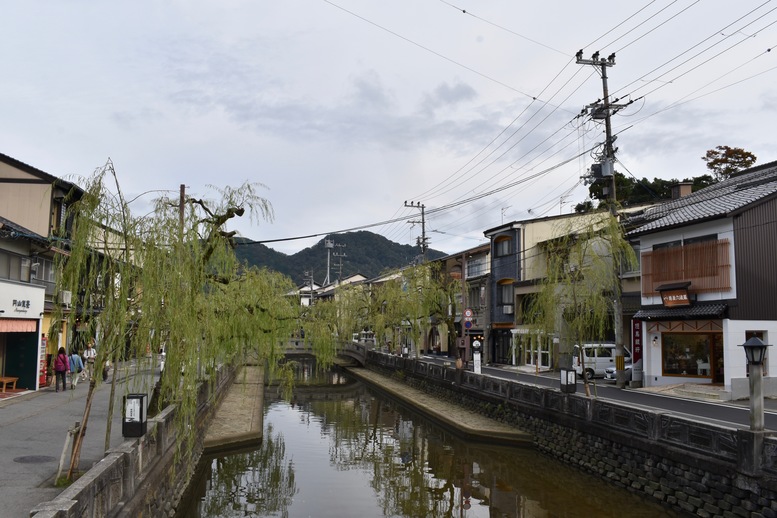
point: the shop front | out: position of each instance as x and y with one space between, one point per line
532 349
22 352
681 346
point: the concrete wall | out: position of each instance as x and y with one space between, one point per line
144 476
697 467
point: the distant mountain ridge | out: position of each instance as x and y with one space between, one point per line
364 252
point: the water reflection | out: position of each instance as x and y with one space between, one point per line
346 451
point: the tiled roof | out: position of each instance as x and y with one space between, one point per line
13 230
716 201
689 313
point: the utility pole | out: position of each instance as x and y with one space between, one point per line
340 256
309 279
423 242
604 112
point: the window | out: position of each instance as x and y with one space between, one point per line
703 260
632 268
506 293
477 296
668 260
503 246
14 267
691 354
477 266
700 256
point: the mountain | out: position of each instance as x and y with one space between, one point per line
362 252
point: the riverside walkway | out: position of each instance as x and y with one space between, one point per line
468 424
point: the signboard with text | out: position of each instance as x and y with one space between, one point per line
675 298
636 340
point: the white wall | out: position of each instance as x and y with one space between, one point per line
734 355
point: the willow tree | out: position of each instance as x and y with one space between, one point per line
170 279
344 314
576 298
404 304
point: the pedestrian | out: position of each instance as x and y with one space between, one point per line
90 354
76 366
61 366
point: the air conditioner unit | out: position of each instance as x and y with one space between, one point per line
66 298
507 310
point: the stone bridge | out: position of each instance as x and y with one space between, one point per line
354 350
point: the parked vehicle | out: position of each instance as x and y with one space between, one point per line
597 358
609 373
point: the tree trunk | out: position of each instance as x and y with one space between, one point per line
74 460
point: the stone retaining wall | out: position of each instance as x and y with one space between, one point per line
144 476
701 468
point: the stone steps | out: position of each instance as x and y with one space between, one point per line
697 391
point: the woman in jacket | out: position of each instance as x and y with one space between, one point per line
61 366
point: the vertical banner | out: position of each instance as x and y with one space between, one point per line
636 340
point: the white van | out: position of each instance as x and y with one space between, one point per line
597 358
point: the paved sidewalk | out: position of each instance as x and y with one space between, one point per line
239 419
33 430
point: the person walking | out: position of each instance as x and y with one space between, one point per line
90 354
76 366
61 366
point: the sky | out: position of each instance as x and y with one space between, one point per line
348 111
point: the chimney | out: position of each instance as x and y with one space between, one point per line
681 189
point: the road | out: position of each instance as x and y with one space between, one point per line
730 413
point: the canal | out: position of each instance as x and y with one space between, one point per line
336 448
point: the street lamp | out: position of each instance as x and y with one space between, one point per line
755 351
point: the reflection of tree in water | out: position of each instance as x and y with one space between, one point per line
418 469
367 434
412 467
257 483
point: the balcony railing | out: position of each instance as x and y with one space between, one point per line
706 265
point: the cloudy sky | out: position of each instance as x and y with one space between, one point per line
347 109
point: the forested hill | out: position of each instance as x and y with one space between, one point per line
365 253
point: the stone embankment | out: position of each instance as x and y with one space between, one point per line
701 468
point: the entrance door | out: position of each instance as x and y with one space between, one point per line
537 352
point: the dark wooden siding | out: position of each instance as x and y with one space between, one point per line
755 249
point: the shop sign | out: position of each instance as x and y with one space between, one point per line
675 298
22 301
636 340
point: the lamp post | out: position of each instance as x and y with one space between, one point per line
755 350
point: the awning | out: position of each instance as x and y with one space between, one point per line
690 313
18 325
